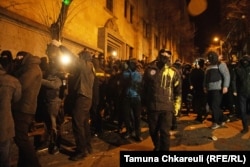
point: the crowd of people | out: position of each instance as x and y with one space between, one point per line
33 89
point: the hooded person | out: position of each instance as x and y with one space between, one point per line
131 99
216 83
242 89
28 72
163 58
162 91
6 60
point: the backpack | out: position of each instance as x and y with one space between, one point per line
213 74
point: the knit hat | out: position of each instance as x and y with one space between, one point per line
165 52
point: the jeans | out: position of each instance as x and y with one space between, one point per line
5 153
27 154
80 124
53 109
159 128
132 114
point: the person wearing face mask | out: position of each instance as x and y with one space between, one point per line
131 102
241 87
162 93
29 73
216 82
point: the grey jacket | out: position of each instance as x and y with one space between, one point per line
52 86
218 85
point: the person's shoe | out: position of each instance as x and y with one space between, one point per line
90 150
224 122
215 126
200 120
227 120
138 138
53 149
127 135
243 131
156 149
231 115
77 156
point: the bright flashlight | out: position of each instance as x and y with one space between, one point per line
114 53
65 59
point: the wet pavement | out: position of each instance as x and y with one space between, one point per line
189 136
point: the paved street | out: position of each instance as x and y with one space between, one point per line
189 136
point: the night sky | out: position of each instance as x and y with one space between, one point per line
207 25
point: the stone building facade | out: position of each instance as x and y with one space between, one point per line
123 27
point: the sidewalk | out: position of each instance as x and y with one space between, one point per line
189 136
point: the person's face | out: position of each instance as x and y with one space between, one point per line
163 59
19 57
245 63
18 61
132 66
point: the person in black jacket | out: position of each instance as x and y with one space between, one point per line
6 60
162 91
29 73
241 88
83 89
230 98
196 85
98 100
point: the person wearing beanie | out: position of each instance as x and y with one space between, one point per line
241 86
162 92
27 70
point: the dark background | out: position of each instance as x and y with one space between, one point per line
207 25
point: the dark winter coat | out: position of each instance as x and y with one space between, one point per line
30 77
10 91
196 80
162 88
242 82
84 76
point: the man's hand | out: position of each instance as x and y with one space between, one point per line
224 90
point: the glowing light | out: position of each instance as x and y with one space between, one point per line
216 39
66 2
114 53
65 59
196 7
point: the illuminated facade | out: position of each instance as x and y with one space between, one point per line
124 27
